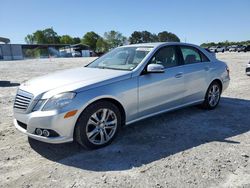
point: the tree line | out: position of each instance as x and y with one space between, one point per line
225 43
97 43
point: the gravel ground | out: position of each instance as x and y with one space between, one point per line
185 148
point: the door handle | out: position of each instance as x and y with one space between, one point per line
179 75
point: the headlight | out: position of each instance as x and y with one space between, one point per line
59 101
39 104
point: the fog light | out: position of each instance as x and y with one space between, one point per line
39 132
46 133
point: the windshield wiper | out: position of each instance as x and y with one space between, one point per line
103 67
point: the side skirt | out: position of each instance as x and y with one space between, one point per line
163 111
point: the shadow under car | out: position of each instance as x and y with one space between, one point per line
156 138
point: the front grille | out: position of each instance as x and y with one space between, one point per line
22 100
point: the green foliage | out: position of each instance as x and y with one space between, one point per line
114 39
35 53
145 36
50 36
225 43
76 40
46 36
167 37
90 39
142 37
111 39
31 53
66 39
102 45
29 39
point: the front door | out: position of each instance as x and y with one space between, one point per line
161 91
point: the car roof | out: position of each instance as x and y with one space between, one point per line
157 44
161 44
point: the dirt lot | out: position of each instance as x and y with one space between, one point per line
186 148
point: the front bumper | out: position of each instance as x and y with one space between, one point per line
225 84
46 120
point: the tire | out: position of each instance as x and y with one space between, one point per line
98 125
213 92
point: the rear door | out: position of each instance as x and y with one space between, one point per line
195 70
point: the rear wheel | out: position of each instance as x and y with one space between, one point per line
212 97
98 125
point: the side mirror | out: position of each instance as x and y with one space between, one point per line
155 68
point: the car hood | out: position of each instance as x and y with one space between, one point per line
73 79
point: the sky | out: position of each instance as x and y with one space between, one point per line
193 21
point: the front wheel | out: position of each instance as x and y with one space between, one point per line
98 125
212 97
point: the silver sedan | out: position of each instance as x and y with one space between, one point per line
90 104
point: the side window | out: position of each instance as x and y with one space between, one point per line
190 55
204 57
166 56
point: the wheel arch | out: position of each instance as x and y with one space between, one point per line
218 81
115 102
104 98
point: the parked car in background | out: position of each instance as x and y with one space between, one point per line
212 53
227 48
213 49
76 54
233 48
90 104
248 69
221 49
243 48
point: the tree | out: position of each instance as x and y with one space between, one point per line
167 37
66 39
29 39
46 36
148 37
101 45
114 39
76 40
51 36
31 53
90 39
142 37
136 37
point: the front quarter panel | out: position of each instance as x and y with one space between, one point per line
124 92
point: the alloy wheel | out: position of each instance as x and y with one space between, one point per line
214 95
101 126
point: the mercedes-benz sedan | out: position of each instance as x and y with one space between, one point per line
90 104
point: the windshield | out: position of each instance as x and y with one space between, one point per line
124 58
